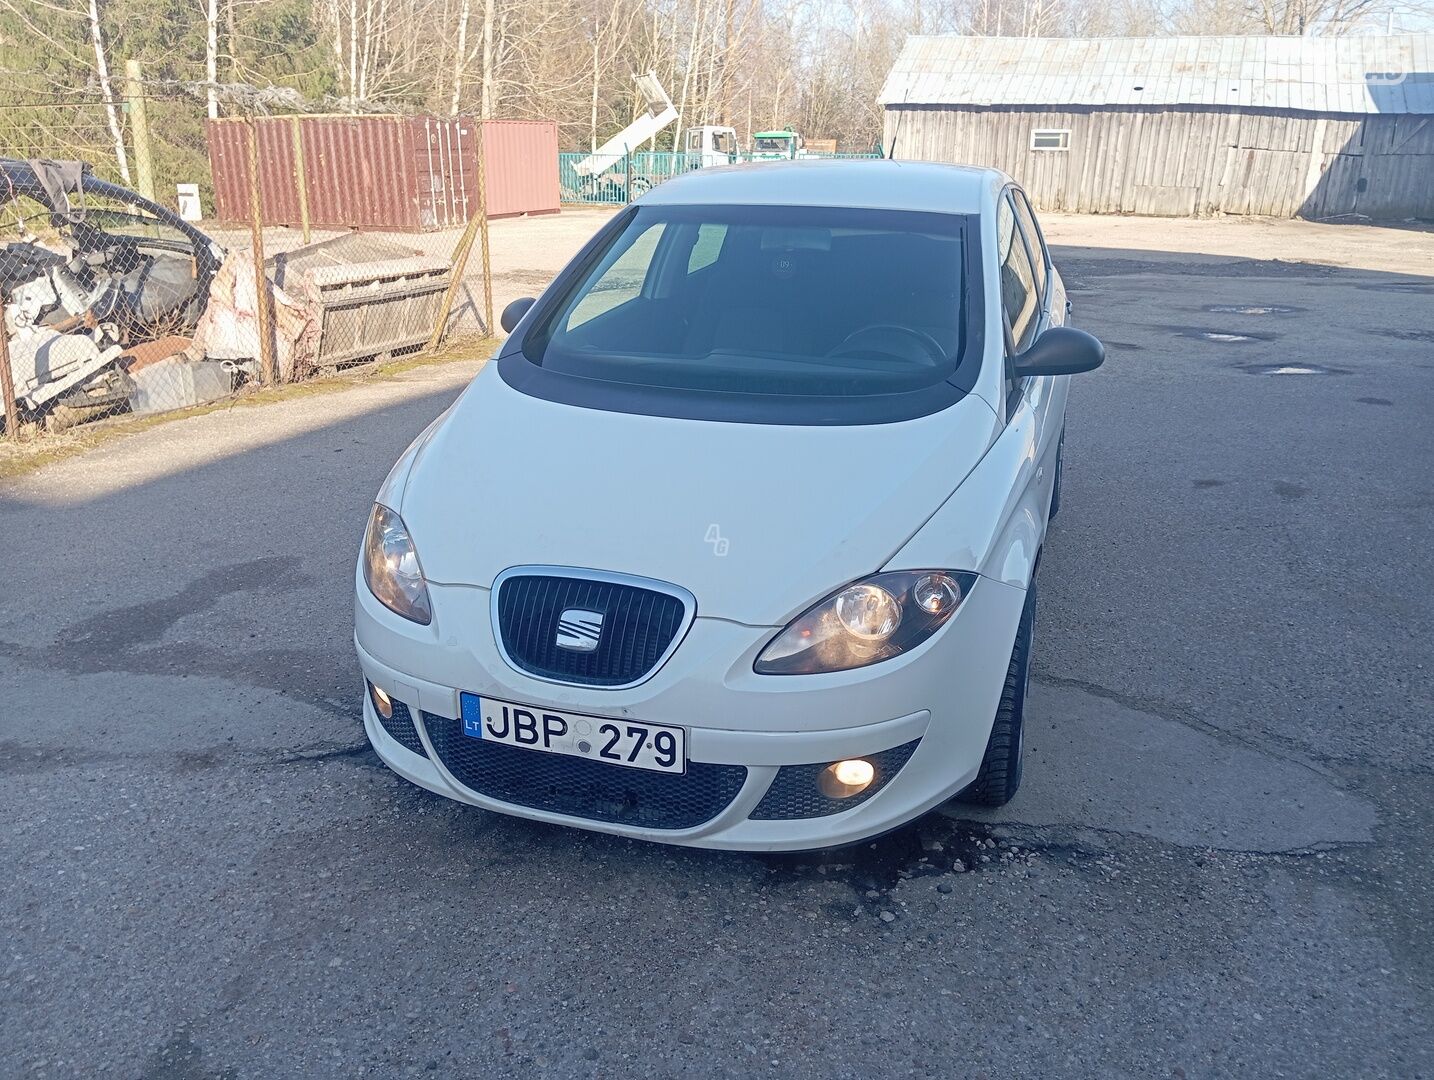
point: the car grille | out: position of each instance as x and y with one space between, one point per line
794 793
580 788
638 627
401 729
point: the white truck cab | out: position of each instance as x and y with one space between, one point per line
710 145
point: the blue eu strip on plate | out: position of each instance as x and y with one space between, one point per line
472 713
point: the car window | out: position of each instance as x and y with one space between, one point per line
94 222
789 301
1034 240
725 141
707 247
1019 295
621 276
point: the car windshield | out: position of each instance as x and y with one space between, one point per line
772 142
810 301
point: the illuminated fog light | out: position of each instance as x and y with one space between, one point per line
843 779
382 703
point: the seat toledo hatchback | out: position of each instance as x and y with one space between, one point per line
734 544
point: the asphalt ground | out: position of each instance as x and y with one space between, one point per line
1219 864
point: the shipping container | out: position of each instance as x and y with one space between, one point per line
405 173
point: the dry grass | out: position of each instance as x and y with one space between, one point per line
34 449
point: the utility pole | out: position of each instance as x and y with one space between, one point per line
301 178
139 124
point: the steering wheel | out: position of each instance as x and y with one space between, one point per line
880 338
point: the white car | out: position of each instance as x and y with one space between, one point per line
734 544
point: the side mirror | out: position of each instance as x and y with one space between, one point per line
514 312
1061 350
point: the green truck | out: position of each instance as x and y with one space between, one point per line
777 146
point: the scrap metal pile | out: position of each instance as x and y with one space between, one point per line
101 288
113 303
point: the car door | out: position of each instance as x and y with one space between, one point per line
1032 301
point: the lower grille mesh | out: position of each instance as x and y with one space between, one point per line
401 729
580 788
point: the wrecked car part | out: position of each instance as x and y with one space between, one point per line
45 364
177 383
139 357
135 278
104 395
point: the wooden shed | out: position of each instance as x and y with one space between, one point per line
1179 126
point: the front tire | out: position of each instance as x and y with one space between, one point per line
1000 773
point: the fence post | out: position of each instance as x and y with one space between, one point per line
139 124
627 156
483 228
477 227
301 181
7 377
262 316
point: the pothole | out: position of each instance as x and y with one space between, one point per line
1397 286
1222 337
934 846
1251 309
1407 335
1289 369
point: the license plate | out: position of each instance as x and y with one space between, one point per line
632 744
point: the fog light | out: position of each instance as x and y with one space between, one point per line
382 703
843 779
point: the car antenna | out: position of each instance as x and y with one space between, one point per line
896 128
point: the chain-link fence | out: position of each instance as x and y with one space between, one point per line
615 179
116 302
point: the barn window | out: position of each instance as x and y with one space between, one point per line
1051 139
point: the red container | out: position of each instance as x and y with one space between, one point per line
407 173
522 160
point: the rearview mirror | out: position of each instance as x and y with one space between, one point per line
1061 350
514 312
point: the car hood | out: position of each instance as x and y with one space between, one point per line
757 521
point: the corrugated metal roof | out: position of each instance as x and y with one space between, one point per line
1358 74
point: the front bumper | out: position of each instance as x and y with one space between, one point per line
941 697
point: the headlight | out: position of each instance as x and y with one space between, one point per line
390 566
869 621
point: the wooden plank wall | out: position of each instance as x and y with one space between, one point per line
1189 161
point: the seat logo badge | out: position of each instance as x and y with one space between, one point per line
579 629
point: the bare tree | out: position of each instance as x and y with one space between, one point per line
102 71
460 56
211 57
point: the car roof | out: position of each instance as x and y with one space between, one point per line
876 184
